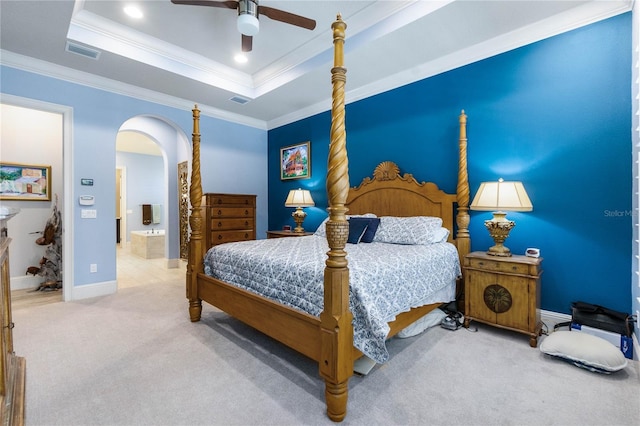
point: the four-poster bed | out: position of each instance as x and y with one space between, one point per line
329 337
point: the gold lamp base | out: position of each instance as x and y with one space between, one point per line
499 228
298 217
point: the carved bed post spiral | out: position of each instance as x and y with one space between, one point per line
195 261
336 358
463 240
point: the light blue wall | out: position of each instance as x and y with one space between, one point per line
234 155
555 114
145 178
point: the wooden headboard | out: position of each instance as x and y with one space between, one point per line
389 193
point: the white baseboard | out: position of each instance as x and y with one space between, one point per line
25 282
550 318
93 290
173 263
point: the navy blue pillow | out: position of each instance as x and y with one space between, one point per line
356 229
370 232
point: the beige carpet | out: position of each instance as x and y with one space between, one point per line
134 358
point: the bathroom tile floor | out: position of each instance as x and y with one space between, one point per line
132 271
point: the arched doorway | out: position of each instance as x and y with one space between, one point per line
148 152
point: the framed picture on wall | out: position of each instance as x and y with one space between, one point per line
295 161
26 182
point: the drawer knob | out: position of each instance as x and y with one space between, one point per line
219 224
246 223
246 235
219 237
219 212
481 263
246 212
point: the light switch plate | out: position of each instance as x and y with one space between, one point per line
88 214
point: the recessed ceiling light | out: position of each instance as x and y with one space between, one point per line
241 58
133 11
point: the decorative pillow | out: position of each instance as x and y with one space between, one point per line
439 236
371 223
407 230
357 227
584 350
322 228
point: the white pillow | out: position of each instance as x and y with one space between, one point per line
322 229
431 319
407 230
584 350
439 236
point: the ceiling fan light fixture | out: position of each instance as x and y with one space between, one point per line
248 24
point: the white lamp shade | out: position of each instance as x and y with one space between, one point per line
501 195
299 198
248 24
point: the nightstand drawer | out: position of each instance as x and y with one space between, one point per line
493 265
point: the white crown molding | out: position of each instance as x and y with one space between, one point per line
584 15
101 33
59 72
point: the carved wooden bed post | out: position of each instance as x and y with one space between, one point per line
463 240
195 261
336 357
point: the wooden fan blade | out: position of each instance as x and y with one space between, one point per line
226 4
247 43
286 17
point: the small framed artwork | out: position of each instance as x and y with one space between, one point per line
26 182
295 161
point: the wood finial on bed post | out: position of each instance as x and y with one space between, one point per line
195 258
336 357
463 240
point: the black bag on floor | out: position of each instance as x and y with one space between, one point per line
603 318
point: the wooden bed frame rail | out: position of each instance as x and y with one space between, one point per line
329 338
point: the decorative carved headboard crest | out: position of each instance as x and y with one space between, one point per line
388 171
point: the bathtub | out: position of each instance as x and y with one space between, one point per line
148 244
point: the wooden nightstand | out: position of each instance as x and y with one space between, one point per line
504 292
282 234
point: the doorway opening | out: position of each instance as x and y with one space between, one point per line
148 151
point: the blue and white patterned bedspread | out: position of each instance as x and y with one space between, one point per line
385 279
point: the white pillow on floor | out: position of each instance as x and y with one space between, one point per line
584 350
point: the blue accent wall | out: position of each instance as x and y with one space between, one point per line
555 115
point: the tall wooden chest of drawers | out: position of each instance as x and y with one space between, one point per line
229 217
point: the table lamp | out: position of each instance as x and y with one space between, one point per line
499 197
299 198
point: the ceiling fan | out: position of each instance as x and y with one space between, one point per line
248 12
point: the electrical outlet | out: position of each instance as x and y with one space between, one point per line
638 320
93 267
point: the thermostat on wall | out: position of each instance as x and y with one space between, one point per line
87 200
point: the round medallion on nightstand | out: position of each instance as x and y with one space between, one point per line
497 298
